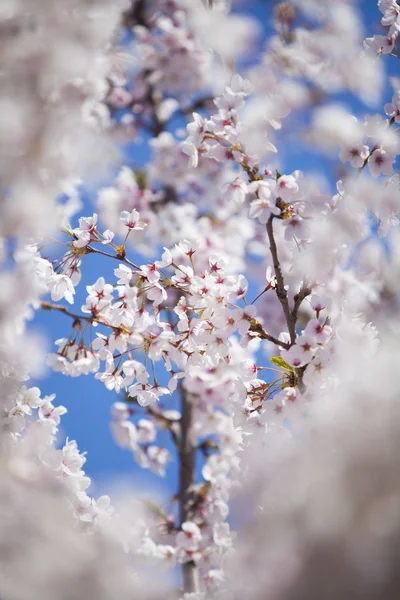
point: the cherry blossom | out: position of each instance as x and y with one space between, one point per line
392 109
83 233
287 186
381 162
380 44
131 219
189 537
356 155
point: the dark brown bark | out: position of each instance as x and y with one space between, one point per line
280 286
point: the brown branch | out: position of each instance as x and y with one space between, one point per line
280 286
64 309
197 105
92 250
187 457
298 299
135 15
168 424
300 383
256 327
77 318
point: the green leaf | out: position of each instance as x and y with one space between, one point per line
279 362
156 509
140 177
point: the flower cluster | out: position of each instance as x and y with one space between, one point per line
385 44
31 423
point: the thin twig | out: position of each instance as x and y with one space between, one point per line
65 311
168 423
92 250
197 105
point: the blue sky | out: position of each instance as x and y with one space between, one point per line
87 400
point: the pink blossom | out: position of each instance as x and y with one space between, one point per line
381 162
132 220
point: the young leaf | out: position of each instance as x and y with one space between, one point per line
279 362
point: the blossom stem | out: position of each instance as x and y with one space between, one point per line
259 295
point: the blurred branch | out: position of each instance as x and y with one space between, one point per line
187 457
135 15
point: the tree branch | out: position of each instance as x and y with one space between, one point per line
77 318
256 327
197 105
298 299
187 457
92 250
135 15
280 287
